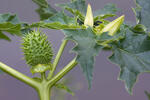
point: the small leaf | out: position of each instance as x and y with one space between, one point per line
86 49
101 17
64 87
45 10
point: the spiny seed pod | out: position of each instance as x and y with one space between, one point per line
37 49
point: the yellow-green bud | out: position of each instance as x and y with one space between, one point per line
89 20
37 49
113 26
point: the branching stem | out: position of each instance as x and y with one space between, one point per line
63 72
57 58
44 86
31 82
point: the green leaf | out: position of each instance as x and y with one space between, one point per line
77 8
142 12
9 18
109 9
75 5
10 24
147 94
11 28
86 49
132 54
102 17
64 87
58 21
3 36
45 10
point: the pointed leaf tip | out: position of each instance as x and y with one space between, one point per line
113 26
89 20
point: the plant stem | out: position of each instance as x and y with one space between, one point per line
63 72
43 76
57 58
44 92
44 89
31 82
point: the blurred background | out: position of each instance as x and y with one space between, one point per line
105 83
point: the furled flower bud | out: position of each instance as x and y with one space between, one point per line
37 50
89 20
113 26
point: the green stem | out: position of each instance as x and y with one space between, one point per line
57 58
43 76
63 72
31 82
44 92
44 89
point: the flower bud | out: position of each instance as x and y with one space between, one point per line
89 20
113 26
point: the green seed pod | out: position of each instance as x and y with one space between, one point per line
37 49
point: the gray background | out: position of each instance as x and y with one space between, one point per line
105 83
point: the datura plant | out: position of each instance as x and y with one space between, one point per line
91 31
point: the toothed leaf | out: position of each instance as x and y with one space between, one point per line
142 12
132 54
45 10
86 49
